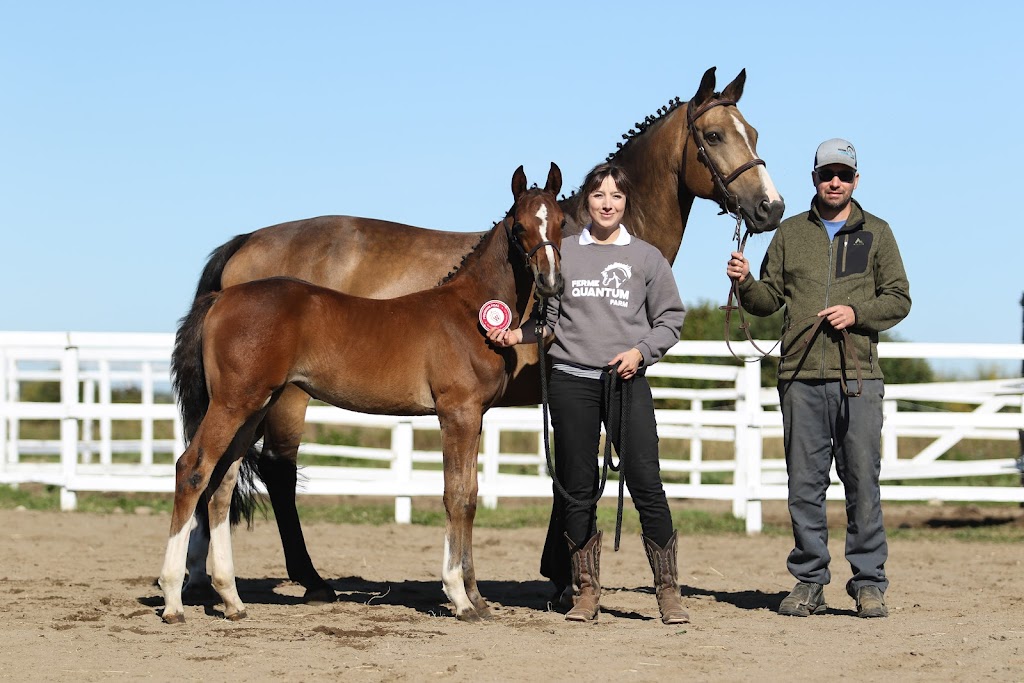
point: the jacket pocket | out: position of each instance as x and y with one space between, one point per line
853 253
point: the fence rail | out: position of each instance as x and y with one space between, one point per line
713 439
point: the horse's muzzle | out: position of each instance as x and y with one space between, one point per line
765 217
547 287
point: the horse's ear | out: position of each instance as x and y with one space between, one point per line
706 89
734 91
554 183
518 183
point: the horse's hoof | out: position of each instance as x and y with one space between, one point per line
320 596
173 618
237 616
469 616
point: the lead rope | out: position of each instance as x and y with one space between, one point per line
626 399
734 291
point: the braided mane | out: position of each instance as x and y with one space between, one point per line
472 251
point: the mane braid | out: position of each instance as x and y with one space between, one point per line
641 126
472 251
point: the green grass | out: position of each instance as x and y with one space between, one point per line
999 522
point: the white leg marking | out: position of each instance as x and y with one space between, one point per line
173 573
223 566
762 172
452 581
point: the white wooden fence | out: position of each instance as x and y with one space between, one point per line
90 367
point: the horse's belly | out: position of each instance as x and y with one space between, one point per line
375 397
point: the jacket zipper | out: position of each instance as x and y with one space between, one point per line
846 248
828 287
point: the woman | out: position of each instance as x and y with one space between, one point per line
620 313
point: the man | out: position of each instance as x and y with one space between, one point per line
839 263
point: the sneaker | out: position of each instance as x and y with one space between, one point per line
805 600
871 603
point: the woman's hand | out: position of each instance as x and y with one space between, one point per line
505 338
629 362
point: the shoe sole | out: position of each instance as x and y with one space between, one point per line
820 609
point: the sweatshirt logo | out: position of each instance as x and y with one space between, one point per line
608 286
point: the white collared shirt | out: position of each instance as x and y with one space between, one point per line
621 239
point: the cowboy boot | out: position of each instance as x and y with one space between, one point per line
586 582
666 586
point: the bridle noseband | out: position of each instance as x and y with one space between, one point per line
729 203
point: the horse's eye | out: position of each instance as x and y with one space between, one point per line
563 223
712 138
518 230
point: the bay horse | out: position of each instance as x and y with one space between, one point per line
419 354
379 259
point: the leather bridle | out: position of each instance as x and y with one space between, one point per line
729 202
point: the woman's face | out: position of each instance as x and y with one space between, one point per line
606 205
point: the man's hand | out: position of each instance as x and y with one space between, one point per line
839 317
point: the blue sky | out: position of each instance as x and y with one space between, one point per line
136 137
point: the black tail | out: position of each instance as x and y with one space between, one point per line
189 377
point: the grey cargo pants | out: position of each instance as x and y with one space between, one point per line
821 423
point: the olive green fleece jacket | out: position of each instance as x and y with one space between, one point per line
805 271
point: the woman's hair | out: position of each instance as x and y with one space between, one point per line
633 216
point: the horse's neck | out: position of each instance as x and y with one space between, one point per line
653 161
488 270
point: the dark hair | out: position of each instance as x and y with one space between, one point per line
618 175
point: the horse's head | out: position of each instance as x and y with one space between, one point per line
720 156
536 222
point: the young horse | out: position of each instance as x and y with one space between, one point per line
419 354
378 259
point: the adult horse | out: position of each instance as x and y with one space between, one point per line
701 148
419 354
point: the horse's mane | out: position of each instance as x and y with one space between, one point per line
472 251
641 127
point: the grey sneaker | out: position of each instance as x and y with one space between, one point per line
871 603
805 600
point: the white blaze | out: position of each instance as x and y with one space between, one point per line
542 215
762 172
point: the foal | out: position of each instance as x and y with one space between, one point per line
419 354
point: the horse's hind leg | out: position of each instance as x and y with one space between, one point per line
192 475
277 467
460 436
221 560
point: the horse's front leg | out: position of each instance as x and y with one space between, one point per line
198 588
460 438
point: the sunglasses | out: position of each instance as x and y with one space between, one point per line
826 175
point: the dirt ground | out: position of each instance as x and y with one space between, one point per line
78 602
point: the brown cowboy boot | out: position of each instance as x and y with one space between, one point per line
586 581
663 563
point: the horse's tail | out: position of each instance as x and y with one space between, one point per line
189 377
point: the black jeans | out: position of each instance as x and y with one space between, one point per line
577 411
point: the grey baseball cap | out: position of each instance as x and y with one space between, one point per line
835 151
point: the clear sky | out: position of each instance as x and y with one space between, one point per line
136 137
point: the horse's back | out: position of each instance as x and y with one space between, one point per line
361 256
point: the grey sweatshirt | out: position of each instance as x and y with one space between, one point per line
616 296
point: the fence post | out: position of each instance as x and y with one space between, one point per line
147 421
401 446
696 443
69 426
3 412
739 473
492 444
890 442
754 445
106 424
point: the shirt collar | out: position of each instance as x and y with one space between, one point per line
621 240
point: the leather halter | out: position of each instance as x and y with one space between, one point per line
729 202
